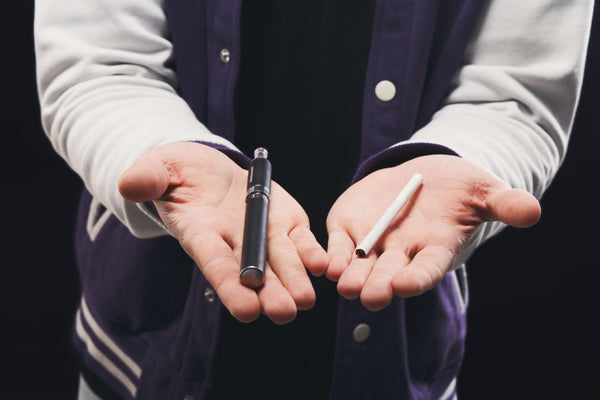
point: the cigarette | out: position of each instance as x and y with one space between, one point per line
388 216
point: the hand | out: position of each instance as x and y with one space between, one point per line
421 244
200 196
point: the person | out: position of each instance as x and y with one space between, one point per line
157 105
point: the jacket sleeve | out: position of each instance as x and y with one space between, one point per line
513 100
107 94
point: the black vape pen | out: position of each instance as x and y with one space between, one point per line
254 244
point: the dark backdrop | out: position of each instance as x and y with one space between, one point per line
534 304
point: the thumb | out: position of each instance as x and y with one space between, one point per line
514 207
147 179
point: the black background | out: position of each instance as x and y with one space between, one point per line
534 292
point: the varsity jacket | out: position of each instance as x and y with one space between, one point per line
490 81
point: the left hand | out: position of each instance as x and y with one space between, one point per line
199 194
421 244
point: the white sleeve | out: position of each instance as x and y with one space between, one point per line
514 98
513 102
107 94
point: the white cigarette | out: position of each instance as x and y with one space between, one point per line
388 216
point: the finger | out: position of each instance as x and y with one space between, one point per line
287 265
275 300
425 271
340 248
377 292
311 253
353 279
514 207
147 179
222 269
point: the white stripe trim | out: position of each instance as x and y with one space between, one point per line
459 296
108 342
102 358
95 221
449 391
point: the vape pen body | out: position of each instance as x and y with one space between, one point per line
254 245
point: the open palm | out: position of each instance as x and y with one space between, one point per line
427 237
199 194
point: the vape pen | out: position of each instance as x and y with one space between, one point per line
254 244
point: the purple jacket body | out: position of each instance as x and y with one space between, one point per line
149 320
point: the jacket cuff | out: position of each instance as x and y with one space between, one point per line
396 155
235 155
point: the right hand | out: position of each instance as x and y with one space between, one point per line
200 195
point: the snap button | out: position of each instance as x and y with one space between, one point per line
209 295
385 90
361 332
225 55
188 397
